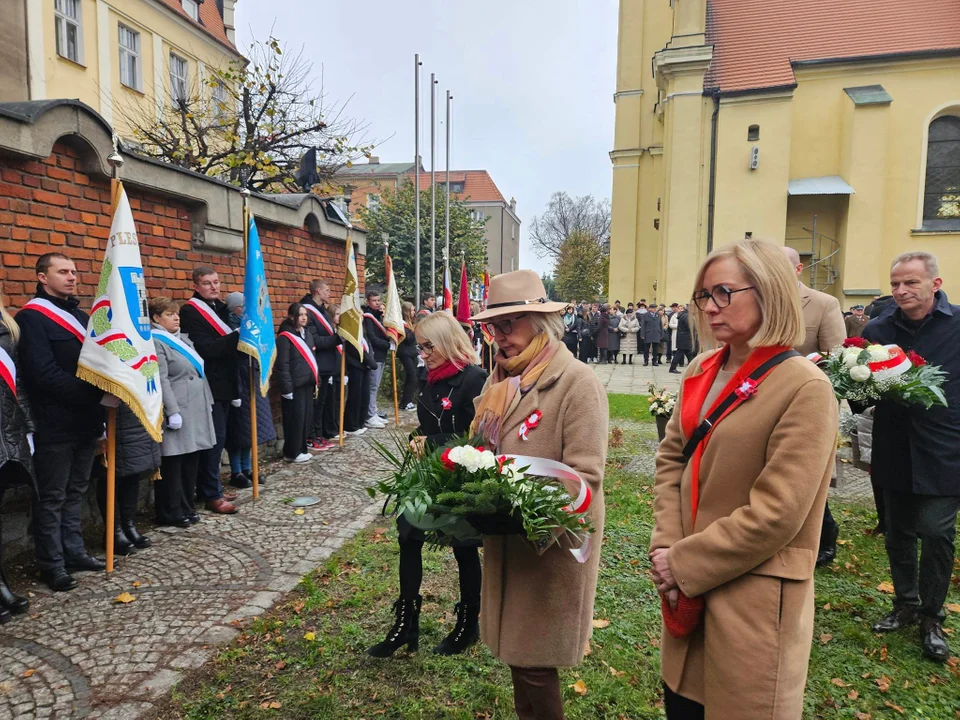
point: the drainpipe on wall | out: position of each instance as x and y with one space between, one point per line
501 238
713 170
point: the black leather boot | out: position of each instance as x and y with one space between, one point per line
130 530
900 617
121 543
10 601
405 630
935 644
465 633
828 548
5 616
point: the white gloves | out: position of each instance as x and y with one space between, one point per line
236 403
110 401
30 443
287 396
175 421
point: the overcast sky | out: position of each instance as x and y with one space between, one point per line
532 81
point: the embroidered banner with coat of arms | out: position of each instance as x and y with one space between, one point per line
118 355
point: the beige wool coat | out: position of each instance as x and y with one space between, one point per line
763 484
822 320
536 610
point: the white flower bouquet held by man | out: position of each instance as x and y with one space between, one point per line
867 373
445 491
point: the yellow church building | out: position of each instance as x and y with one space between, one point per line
832 127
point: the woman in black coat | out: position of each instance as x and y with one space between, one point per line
448 386
296 374
572 326
16 444
407 355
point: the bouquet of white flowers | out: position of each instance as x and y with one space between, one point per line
661 400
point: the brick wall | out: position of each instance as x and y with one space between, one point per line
50 205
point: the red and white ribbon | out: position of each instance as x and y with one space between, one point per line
210 316
897 364
376 322
8 372
541 467
318 315
305 352
529 424
60 317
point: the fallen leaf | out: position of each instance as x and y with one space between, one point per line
853 695
883 653
600 624
825 638
893 707
863 716
587 649
280 665
298 511
827 606
136 583
885 587
125 597
579 687
883 682
28 673
310 636
273 705
839 683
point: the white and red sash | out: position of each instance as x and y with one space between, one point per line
304 351
377 323
175 343
8 372
210 316
61 317
318 314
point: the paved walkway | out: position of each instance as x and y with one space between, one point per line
633 379
82 655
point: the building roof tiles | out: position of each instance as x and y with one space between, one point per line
478 186
210 19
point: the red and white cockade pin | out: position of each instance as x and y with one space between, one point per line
446 404
747 388
529 424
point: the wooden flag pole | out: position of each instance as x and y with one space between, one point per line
396 404
254 382
111 520
343 390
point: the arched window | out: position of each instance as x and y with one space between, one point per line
941 194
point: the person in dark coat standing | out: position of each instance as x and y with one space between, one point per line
204 318
613 337
602 334
378 339
651 333
68 418
683 346
16 444
916 453
407 355
448 387
239 445
328 365
297 378
587 329
571 329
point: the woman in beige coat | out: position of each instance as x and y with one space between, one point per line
737 526
536 607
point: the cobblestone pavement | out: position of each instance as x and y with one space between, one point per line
82 655
633 379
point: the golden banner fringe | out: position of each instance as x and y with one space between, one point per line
250 350
109 385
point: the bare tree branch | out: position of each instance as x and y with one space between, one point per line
565 216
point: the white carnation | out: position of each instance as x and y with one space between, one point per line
487 460
850 356
860 373
878 353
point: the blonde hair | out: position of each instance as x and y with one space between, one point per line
766 268
408 311
7 319
448 337
549 323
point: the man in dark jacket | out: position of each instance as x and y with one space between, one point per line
204 318
379 341
651 333
68 418
328 363
684 347
916 453
429 305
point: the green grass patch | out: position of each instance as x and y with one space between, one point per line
628 407
277 669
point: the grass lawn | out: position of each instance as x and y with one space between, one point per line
307 658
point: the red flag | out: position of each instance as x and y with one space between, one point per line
486 287
447 291
463 303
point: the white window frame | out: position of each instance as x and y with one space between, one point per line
219 98
179 83
63 22
129 53
192 9
373 202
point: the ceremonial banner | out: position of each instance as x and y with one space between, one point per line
447 291
392 316
118 355
256 326
463 302
486 288
351 316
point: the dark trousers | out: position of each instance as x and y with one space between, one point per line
932 520
679 356
208 471
318 429
829 530
570 340
175 490
411 569
357 399
331 411
647 347
678 707
409 379
63 476
297 415
603 354
126 494
536 693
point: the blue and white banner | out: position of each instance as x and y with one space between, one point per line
257 338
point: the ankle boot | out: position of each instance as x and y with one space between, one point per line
465 633
10 601
122 545
130 530
630 361
405 630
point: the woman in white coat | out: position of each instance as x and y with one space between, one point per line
629 328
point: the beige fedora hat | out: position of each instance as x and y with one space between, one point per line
517 292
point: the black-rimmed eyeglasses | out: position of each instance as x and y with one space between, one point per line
505 326
721 296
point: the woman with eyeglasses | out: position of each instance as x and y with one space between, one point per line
739 497
537 606
449 383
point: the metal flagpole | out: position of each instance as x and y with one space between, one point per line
433 183
343 387
446 233
254 382
116 162
416 176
